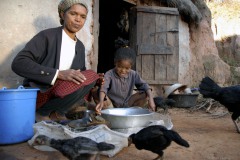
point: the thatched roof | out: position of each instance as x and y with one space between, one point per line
188 11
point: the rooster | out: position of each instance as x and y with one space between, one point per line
79 148
227 96
156 138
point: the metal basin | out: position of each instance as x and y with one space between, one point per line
121 118
184 100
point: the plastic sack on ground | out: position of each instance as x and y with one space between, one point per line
99 133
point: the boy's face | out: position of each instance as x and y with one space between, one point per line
123 67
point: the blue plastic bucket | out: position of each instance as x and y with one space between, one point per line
17 114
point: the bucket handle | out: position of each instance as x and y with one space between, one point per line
4 88
19 87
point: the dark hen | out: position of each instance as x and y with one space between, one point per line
227 96
163 103
156 138
79 148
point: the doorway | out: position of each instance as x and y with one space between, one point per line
112 24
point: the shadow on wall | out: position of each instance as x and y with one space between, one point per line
7 77
229 52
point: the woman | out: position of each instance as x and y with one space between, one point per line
54 61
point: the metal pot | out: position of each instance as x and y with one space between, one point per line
184 100
122 118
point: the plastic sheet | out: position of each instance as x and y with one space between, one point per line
98 133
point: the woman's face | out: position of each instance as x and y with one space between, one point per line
123 67
74 19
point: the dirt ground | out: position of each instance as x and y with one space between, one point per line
209 138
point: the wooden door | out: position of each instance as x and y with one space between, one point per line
154 35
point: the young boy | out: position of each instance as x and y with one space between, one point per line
120 82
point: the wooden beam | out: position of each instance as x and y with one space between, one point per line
130 1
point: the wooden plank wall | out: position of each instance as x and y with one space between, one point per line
154 33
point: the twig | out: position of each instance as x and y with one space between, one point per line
210 105
197 107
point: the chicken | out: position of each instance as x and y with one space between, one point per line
76 148
227 96
81 123
156 138
160 102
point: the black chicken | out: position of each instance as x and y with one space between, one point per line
156 138
160 102
227 96
79 148
83 122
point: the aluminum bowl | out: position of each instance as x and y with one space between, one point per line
122 118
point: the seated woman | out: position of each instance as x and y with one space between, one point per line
54 61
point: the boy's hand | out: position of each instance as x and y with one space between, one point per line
151 104
98 108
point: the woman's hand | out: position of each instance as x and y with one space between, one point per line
72 75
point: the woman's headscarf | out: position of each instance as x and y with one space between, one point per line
65 4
